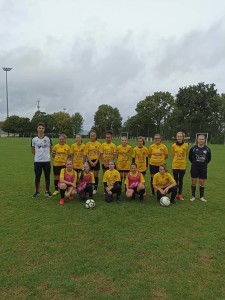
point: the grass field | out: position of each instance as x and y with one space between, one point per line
126 251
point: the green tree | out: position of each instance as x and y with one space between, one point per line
77 122
200 109
107 117
62 123
40 116
154 111
11 124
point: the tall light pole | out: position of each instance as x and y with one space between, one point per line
6 81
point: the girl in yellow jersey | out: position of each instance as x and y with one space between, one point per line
158 153
67 183
164 183
77 152
60 153
135 183
179 154
93 151
140 155
123 152
108 151
111 181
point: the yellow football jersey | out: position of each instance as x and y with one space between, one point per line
163 180
179 154
78 152
123 157
157 154
108 152
110 177
140 155
93 150
62 152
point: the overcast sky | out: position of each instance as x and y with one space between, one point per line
79 54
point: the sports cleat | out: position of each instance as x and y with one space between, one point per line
192 199
94 192
36 194
48 194
62 201
55 193
202 199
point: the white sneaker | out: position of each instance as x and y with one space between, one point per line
94 192
203 200
192 199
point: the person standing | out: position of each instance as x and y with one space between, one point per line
124 152
179 163
140 155
108 151
92 152
158 153
41 147
77 153
199 156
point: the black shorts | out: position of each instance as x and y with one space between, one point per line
57 169
95 168
153 169
198 172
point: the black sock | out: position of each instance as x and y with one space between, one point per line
201 190
141 193
56 182
96 183
153 191
62 193
193 190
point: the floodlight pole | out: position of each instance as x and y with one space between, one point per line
6 81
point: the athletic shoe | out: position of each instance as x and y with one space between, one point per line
192 199
94 192
36 194
203 200
55 193
48 194
62 201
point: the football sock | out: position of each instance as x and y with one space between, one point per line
62 193
201 190
56 181
96 183
193 190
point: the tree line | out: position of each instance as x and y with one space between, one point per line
196 108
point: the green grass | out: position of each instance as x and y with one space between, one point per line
126 251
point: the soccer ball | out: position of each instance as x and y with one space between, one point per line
165 201
90 203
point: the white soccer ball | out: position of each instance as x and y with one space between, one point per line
165 201
90 203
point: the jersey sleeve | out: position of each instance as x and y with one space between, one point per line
61 176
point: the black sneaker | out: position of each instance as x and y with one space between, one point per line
48 194
36 194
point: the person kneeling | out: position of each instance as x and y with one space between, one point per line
134 183
67 182
111 181
86 182
164 183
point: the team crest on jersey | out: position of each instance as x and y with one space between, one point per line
204 151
